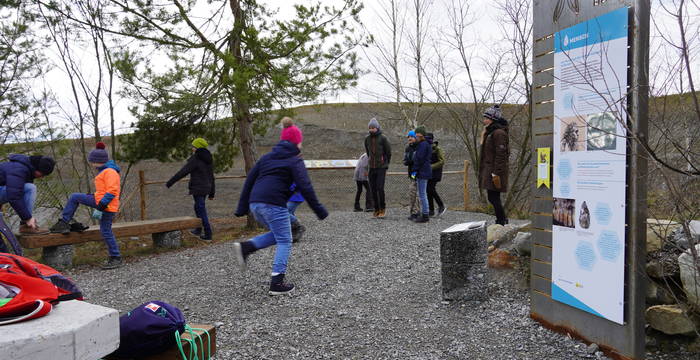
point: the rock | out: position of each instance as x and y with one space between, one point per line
501 259
592 348
501 234
170 239
658 295
58 257
522 244
690 278
662 264
670 319
680 239
694 346
658 230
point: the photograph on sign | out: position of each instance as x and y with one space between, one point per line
589 165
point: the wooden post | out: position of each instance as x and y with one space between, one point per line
465 185
142 190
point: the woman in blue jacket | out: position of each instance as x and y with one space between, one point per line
423 172
265 195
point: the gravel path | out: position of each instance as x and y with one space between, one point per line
366 288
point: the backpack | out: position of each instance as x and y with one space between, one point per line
149 329
32 289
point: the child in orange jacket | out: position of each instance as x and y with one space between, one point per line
105 200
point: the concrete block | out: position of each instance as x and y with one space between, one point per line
463 252
73 330
168 239
464 281
58 257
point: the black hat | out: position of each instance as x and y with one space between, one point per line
42 164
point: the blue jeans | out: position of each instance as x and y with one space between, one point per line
29 195
200 210
276 219
105 222
292 207
423 195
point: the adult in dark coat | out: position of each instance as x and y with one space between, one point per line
423 171
200 168
265 194
378 151
17 187
437 161
493 164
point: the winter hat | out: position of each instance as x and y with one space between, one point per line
99 155
42 164
493 113
421 130
292 134
199 143
411 134
429 138
373 123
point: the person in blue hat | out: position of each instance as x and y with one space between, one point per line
408 154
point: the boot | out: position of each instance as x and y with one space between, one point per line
77 227
382 213
241 250
26 230
358 208
413 217
61 227
376 213
369 209
279 287
112 263
423 218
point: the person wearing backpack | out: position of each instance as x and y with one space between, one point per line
17 187
200 168
265 195
423 172
408 154
105 200
437 161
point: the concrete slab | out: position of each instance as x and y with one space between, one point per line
72 330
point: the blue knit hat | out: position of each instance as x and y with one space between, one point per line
99 154
411 134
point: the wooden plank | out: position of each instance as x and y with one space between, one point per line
543 110
542 140
541 237
543 46
543 78
541 268
123 229
542 221
543 126
541 284
542 253
543 94
541 205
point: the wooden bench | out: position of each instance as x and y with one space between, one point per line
57 251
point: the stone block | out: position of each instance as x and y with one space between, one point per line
464 281
463 247
73 330
169 239
658 231
690 275
58 257
670 319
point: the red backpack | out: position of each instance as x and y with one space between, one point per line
33 288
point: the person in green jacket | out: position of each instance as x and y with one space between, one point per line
437 161
379 153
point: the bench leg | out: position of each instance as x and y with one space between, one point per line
168 239
58 257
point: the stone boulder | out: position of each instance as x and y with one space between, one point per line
659 295
670 319
690 275
658 230
680 239
661 264
497 235
522 244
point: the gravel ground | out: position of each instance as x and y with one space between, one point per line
366 288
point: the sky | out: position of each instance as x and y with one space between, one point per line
484 37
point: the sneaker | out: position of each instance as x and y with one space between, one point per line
297 232
422 219
369 209
61 227
205 238
357 208
413 217
77 227
196 232
431 214
441 211
279 287
26 230
240 256
112 263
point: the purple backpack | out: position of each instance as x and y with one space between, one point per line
149 329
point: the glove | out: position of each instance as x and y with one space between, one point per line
101 206
322 213
413 175
97 214
496 181
237 214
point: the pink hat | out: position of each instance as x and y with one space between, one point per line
292 134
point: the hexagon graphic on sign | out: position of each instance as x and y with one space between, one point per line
585 255
609 245
564 169
602 213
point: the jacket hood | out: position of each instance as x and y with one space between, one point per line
284 149
111 165
377 133
204 155
22 159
